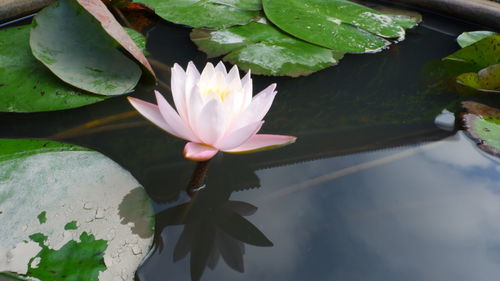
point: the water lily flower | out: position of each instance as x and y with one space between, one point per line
213 111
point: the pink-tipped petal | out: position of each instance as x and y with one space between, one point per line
258 108
178 84
263 142
198 152
211 123
152 113
174 120
239 137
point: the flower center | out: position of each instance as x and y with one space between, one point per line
220 92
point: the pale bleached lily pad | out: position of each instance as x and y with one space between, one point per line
68 213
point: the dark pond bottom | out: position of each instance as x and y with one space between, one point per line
372 190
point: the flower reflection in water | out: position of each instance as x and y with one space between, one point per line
213 227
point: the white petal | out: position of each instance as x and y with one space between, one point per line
198 152
195 106
192 78
174 120
247 78
178 83
234 74
263 142
232 106
238 137
247 85
206 77
221 68
234 85
258 108
211 123
152 113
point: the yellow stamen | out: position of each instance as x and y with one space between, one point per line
222 93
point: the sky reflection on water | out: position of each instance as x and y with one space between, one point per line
430 215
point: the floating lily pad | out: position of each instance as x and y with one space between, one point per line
75 47
108 22
486 80
468 38
405 21
265 50
483 124
337 24
205 13
139 39
480 54
97 220
26 85
403 18
248 5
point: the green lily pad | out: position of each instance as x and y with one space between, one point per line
205 13
87 256
483 125
468 38
405 21
248 5
486 80
401 17
97 220
265 50
74 46
26 85
138 38
480 54
337 24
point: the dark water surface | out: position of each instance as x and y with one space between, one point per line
372 190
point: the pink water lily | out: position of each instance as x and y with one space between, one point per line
215 111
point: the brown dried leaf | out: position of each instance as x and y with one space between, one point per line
481 109
99 10
135 15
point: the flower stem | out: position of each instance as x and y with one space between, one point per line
198 179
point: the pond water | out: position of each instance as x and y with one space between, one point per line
372 190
